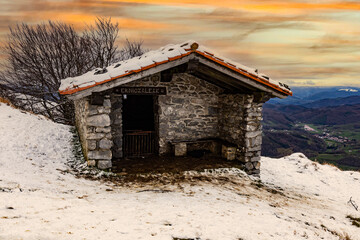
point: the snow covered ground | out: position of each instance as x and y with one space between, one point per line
40 199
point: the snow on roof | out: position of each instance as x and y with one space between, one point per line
161 56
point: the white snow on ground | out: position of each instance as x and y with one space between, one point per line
295 199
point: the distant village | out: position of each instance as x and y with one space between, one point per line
326 135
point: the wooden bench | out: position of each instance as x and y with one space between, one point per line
181 148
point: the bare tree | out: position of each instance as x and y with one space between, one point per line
131 49
39 56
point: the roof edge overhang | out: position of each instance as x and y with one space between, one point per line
243 76
206 59
78 93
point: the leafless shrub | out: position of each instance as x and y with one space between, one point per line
39 56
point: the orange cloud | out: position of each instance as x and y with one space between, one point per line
80 20
257 5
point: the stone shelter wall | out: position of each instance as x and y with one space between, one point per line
193 109
93 124
188 112
231 118
81 111
116 125
240 124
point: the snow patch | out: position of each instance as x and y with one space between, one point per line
40 198
348 90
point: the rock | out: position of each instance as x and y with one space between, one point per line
91 163
96 155
228 152
104 164
178 100
107 103
92 136
91 144
105 144
249 166
251 128
92 110
254 149
256 141
255 159
103 129
102 120
256 165
253 134
180 149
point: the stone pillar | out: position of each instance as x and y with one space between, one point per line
251 151
116 125
93 123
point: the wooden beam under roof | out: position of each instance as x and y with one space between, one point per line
218 78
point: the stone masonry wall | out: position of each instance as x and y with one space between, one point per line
253 136
231 118
193 109
188 112
240 123
116 125
93 124
81 110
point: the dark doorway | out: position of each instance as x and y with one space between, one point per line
139 125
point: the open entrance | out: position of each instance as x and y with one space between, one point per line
139 129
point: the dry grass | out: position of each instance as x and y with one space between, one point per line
332 165
354 220
6 101
342 236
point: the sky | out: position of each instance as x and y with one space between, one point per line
298 42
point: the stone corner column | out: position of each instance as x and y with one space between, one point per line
250 153
99 138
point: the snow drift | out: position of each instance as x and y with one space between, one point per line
40 199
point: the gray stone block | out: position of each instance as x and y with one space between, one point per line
92 110
180 149
249 166
100 155
254 149
91 163
105 144
103 129
95 136
255 159
102 120
91 144
256 165
104 164
107 103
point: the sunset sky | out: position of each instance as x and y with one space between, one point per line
299 42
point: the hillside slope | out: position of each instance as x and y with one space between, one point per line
333 115
41 199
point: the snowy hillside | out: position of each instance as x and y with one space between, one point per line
39 199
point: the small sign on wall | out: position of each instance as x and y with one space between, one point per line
141 90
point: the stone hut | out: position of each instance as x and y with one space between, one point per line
176 100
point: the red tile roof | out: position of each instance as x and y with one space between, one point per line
162 56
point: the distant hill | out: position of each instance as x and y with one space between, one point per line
333 119
304 95
333 102
282 143
331 115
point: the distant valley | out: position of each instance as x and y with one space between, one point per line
323 123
